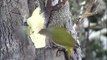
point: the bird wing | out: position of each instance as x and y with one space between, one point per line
62 37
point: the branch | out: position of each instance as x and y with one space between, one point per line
87 11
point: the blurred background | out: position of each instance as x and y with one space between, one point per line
93 31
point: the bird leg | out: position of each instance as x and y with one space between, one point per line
61 49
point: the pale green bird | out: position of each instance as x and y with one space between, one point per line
61 37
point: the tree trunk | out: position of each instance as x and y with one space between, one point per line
61 16
14 42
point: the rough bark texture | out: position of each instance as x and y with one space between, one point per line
59 17
14 43
62 17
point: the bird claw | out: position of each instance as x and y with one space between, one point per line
59 50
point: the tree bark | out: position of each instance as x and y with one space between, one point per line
59 17
14 42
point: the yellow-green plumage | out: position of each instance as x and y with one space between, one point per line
61 37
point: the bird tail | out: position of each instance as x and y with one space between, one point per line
69 51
